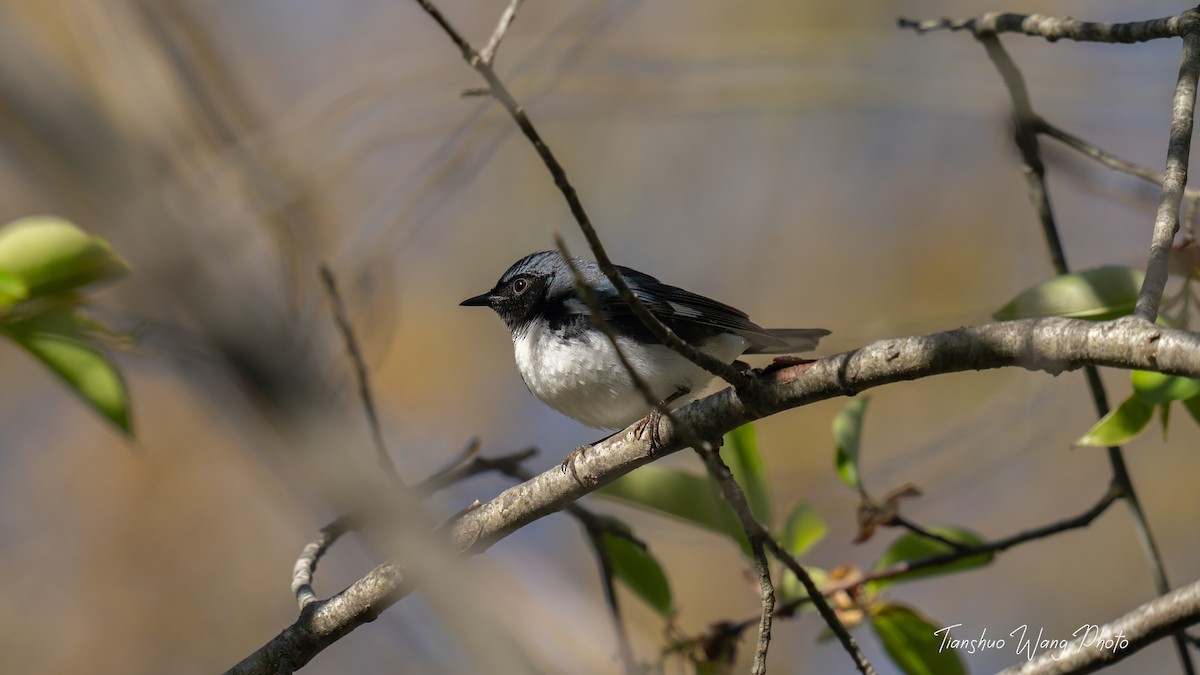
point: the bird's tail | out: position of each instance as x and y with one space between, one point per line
786 340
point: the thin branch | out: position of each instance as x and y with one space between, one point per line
758 536
928 534
453 474
488 55
468 452
596 313
306 564
1027 142
1097 647
1055 28
766 592
1051 344
360 373
661 332
959 552
1166 221
1103 156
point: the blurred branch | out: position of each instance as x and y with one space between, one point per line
360 373
1162 616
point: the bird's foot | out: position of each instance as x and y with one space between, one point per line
650 423
568 462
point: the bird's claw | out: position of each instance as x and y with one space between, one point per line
650 423
569 461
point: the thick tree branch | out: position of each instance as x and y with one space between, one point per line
1053 345
1089 652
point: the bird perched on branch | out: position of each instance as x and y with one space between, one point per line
568 363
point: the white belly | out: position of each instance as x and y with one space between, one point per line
583 378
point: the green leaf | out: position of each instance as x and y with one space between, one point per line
1097 294
912 547
695 499
12 289
803 530
1193 407
847 435
912 643
740 452
790 587
59 339
636 567
1157 388
1119 426
50 255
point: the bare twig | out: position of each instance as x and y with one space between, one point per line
1166 221
306 564
661 332
1026 140
360 373
488 55
758 535
454 473
959 552
928 534
1055 28
469 451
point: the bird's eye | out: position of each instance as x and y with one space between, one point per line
520 286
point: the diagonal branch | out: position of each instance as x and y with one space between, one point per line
488 55
360 373
760 539
500 92
1166 221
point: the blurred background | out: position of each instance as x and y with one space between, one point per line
805 161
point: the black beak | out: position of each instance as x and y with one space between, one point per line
482 300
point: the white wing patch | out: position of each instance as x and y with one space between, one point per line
684 310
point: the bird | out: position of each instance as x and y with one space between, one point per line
570 365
